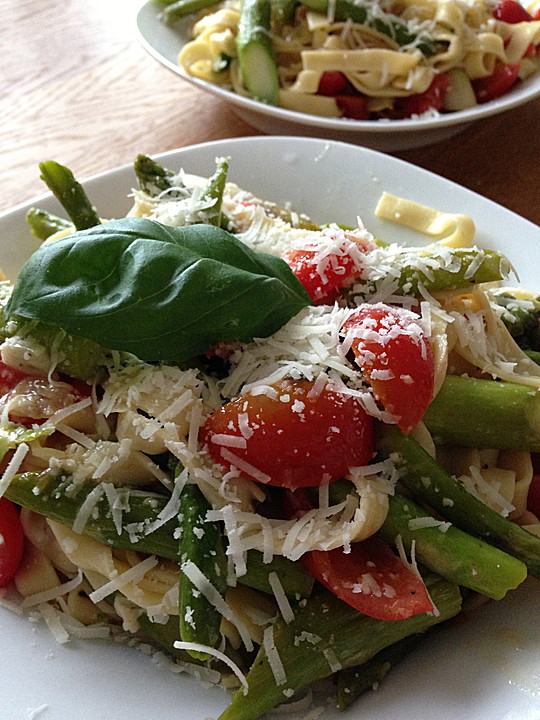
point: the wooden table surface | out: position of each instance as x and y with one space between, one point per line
76 87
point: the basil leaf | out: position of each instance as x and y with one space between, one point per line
161 293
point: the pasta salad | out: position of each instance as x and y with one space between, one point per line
361 59
277 450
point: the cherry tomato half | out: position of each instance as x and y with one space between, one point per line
325 271
510 11
290 435
498 83
371 579
432 98
396 358
11 541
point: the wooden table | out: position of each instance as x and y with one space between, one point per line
76 87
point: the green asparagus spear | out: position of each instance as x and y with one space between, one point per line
212 191
43 224
327 635
522 319
62 183
456 268
283 11
483 413
429 483
354 681
255 51
361 13
534 355
455 555
201 551
60 499
165 635
153 178
180 8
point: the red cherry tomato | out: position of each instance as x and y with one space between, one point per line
510 11
432 98
290 435
354 107
371 579
325 271
11 541
332 83
396 358
9 377
496 84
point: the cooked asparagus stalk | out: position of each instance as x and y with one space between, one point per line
326 635
180 8
201 551
255 51
361 13
62 183
46 494
455 555
484 413
429 483
354 681
43 224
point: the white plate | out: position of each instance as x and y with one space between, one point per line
486 668
164 44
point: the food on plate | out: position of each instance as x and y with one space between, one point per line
280 451
377 60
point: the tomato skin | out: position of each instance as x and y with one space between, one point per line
12 541
292 439
396 359
354 107
497 84
340 267
371 579
510 11
337 275
332 82
420 103
9 377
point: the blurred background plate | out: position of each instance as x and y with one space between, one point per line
164 43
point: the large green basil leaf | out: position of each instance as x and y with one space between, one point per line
158 292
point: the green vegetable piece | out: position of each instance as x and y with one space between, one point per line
255 51
180 8
43 224
521 318
152 177
362 14
494 266
429 483
296 581
324 635
457 556
351 683
534 355
201 549
62 183
77 357
60 499
213 191
165 635
483 413
161 293
283 11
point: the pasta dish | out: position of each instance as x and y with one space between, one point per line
277 451
361 59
